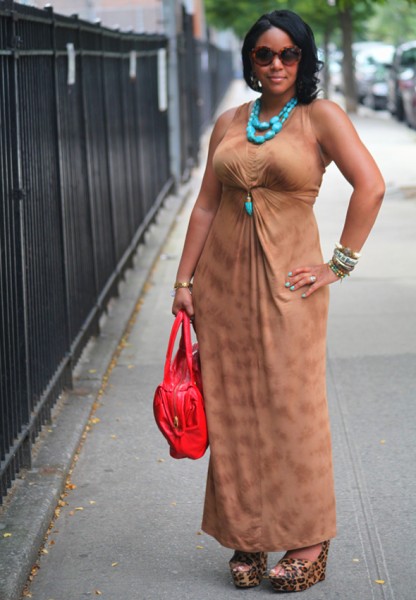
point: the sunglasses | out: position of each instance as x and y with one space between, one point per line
263 55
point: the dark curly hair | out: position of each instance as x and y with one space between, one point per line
302 35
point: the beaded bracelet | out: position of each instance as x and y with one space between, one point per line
338 272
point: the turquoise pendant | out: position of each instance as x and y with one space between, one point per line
248 204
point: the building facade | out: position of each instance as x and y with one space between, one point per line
139 15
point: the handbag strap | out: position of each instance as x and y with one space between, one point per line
181 319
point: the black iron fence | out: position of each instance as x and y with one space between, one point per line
84 166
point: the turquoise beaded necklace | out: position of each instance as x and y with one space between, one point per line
270 129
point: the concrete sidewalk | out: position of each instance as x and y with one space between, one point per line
130 527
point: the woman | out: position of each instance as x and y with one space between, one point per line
260 299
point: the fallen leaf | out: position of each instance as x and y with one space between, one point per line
113 437
44 551
199 533
380 581
173 503
7 535
160 460
114 564
52 543
50 430
200 547
79 508
93 502
382 441
130 367
98 593
355 560
94 420
92 371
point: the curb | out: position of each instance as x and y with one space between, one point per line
33 498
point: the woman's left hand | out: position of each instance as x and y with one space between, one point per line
310 278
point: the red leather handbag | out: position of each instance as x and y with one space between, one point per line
178 403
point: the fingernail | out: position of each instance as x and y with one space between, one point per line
292 288
303 295
290 274
287 284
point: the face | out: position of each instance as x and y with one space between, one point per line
276 78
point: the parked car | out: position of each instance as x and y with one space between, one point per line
335 71
402 84
372 65
376 95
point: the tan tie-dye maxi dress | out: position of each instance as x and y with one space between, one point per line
270 480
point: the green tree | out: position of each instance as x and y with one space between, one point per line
390 21
393 22
324 16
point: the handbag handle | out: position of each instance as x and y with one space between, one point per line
181 319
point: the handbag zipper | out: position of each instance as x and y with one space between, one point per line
175 395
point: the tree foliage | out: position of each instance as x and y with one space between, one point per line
393 22
346 17
349 20
238 15
385 20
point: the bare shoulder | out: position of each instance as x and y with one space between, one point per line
330 120
227 116
223 122
221 125
323 111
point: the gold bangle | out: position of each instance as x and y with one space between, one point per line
182 284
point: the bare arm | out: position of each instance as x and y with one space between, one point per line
202 215
340 142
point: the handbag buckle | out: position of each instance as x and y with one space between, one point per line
175 422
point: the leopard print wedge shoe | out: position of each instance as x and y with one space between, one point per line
300 573
246 578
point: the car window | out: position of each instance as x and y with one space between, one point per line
408 58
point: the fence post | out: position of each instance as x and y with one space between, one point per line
69 366
174 118
17 198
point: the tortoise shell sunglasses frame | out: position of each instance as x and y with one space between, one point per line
264 56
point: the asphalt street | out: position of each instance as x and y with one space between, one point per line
130 525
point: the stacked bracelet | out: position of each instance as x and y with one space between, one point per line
343 261
335 269
347 251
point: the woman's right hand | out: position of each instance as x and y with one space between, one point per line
183 301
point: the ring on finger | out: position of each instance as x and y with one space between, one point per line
312 278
